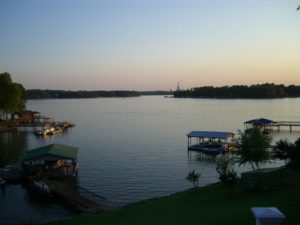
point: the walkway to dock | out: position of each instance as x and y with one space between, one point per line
79 197
289 124
264 124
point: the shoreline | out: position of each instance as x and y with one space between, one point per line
192 205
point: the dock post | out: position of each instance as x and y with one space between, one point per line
291 128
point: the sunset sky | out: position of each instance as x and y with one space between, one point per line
149 45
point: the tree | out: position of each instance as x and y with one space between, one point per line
12 95
193 177
289 152
281 150
227 175
293 155
254 149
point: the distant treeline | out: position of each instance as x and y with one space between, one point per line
44 94
156 93
267 90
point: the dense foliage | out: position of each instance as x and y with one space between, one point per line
156 92
267 90
254 149
12 96
290 152
44 94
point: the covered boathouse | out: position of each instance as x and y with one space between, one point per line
54 160
262 124
209 142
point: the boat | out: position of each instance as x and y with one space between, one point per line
43 131
209 142
40 186
48 131
212 149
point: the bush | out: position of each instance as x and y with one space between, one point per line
226 175
193 177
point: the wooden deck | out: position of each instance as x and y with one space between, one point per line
82 199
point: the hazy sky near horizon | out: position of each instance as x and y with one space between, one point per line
149 45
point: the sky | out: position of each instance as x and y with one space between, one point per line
149 44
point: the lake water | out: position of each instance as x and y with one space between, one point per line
132 149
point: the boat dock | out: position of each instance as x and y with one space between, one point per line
210 143
81 198
266 125
54 168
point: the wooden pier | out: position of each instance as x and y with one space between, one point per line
81 198
266 125
289 124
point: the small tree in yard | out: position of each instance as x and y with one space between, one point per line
193 177
254 149
226 175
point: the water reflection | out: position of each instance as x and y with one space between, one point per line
12 147
19 205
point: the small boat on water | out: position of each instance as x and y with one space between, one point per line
40 186
43 131
48 131
54 129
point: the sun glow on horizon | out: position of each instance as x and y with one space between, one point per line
136 45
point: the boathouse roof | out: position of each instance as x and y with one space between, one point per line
260 121
210 134
52 152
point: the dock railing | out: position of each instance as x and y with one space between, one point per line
93 197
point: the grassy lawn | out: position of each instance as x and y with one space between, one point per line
210 205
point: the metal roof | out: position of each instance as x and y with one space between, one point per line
53 151
210 134
260 121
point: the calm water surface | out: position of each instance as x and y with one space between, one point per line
133 148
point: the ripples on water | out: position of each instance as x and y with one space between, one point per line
135 148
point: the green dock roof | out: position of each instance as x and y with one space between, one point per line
52 152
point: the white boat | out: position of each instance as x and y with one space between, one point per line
41 186
43 131
48 131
